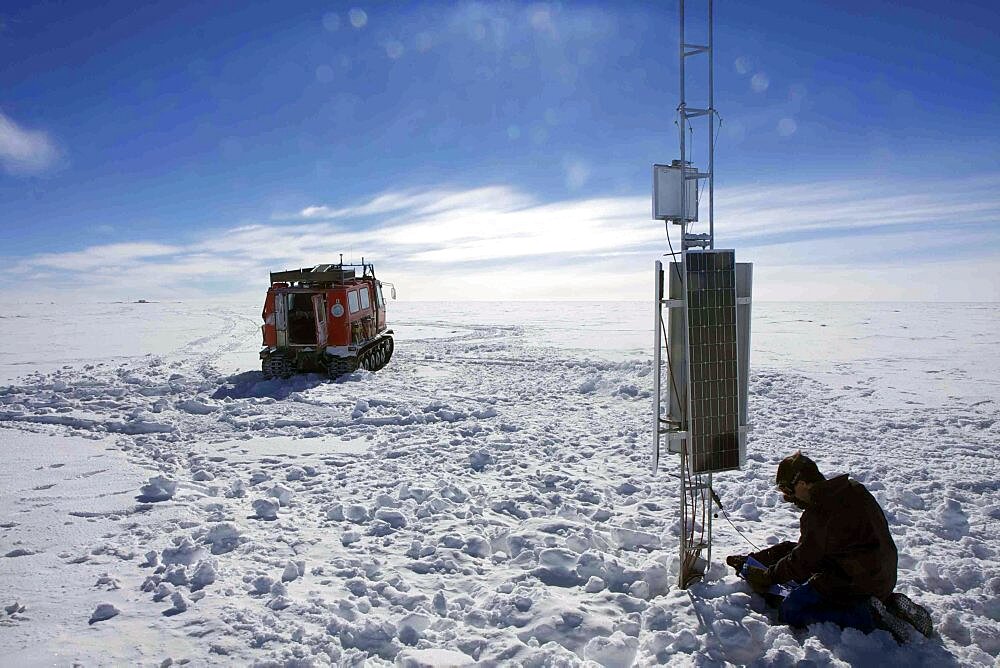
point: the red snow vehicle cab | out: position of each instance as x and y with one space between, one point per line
325 319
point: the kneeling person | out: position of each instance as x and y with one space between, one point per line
845 557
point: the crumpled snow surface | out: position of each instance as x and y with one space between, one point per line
486 497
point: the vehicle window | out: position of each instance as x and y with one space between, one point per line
352 301
365 303
379 299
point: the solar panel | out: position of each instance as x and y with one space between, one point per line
714 383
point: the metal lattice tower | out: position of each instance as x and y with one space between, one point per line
675 427
685 114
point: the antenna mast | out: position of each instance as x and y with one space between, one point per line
684 116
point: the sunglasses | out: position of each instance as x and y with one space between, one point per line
789 486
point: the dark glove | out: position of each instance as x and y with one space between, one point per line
736 561
758 578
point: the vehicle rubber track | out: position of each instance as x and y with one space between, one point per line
378 355
372 358
277 366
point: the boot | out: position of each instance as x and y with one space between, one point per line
887 621
914 613
737 561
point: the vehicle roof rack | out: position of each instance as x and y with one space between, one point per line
324 273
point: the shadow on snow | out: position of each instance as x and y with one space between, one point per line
252 384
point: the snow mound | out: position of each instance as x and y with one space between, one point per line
293 571
282 494
204 575
184 552
158 488
103 612
196 407
179 604
614 651
432 658
480 459
223 537
266 509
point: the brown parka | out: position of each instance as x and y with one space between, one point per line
845 550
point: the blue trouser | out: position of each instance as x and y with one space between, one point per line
805 606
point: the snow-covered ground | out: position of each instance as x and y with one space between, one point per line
486 497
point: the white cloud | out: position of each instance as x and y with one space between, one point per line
836 240
108 256
25 151
849 205
420 202
594 226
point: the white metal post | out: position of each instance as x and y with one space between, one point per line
657 345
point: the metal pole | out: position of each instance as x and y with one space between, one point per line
682 119
708 557
657 344
686 443
711 129
681 122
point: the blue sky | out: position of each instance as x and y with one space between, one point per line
493 150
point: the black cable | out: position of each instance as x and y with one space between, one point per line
715 145
689 533
677 269
726 515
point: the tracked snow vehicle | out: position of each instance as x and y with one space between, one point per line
325 319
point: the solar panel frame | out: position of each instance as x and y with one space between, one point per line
714 407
